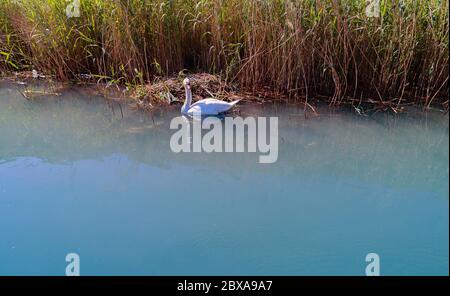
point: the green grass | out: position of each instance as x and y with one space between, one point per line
302 48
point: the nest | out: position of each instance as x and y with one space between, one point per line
203 85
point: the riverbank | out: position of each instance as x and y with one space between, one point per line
335 52
168 91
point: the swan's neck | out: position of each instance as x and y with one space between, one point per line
188 100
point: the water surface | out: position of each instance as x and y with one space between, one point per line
77 174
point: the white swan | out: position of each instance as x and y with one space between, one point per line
203 107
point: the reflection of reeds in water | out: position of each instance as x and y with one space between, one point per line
298 47
385 149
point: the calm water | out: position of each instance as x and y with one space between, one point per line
76 176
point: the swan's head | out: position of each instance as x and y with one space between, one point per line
187 83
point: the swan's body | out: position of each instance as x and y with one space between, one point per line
204 107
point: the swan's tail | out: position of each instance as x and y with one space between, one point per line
234 102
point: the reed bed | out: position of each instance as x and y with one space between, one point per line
302 49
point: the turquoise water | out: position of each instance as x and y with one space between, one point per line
77 174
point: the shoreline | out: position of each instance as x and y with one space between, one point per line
166 91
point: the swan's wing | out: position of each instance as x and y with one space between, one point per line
211 106
208 101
